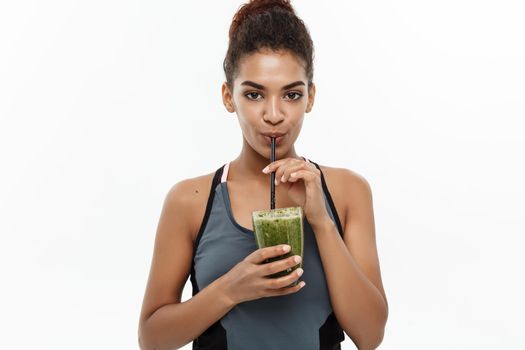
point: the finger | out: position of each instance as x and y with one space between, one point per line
286 290
260 255
276 164
272 166
283 172
285 281
291 169
313 167
278 266
306 175
280 169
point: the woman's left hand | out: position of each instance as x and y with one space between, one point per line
304 189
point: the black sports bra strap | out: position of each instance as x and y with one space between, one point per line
330 201
214 183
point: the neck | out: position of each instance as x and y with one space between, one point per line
250 164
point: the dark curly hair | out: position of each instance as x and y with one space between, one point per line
271 24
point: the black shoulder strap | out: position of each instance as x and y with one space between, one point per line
215 335
211 196
329 198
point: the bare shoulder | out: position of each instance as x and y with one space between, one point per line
348 189
345 179
183 208
190 196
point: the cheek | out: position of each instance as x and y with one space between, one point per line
247 121
248 115
297 124
246 110
250 110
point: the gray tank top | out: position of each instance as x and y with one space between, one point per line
302 320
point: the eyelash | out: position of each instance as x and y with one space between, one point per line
289 93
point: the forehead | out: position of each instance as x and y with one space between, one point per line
269 67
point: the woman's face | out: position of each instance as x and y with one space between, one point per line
270 96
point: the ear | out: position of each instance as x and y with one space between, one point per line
311 98
227 98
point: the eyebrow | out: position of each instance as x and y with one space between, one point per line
261 87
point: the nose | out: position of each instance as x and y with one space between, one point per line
272 113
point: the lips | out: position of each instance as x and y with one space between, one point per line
273 134
278 138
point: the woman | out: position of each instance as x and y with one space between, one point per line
205 229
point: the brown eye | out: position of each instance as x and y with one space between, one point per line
249 95
296 94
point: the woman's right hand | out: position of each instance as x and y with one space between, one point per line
248 279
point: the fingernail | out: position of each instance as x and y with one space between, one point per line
299 271
286 248
297 259
301 284
276 182
266 170
293 174
282 179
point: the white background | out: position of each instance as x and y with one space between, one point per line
104 105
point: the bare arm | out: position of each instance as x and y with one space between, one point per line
352 268
165 322
174 325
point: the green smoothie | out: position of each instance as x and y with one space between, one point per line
280 226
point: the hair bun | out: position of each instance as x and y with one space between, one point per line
267 24
255 7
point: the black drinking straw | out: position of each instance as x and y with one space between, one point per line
272 177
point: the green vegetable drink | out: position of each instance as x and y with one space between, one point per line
280 226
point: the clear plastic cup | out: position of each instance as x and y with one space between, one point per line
280 226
